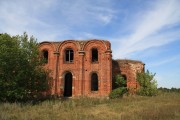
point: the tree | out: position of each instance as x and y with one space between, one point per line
148 85
21 75
120 87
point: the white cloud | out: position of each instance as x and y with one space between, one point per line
53 19
148 32
82 12
164 61
19 16
105 18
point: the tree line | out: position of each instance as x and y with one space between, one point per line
163 89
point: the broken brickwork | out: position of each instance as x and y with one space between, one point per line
128 69
85 68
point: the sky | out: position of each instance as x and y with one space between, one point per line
145 30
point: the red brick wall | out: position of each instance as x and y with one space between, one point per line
51 61
129 68
81 67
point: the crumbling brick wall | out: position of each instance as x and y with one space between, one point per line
79 69
128 68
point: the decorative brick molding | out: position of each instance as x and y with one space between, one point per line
81 66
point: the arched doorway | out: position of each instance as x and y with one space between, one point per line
68 84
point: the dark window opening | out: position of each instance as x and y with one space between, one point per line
45 56
94 82
69 55
68 85
125 79
94 55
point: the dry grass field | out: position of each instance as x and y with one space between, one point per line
165 106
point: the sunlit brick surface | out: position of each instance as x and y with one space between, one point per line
82 67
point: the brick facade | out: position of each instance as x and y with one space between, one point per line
84 68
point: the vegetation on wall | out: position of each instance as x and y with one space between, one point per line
120 87
21 75
148 85
120 81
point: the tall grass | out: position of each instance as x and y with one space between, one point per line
162 107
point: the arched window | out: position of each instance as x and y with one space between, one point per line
69 55
94 55
94 82
125 81
45 56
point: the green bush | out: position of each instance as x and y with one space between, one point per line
120 81
118 92
148 85
120 87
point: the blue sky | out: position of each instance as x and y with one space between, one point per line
146 30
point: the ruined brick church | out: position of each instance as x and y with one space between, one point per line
86 68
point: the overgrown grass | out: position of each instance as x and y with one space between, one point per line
165 106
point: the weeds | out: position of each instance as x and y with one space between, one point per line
165 106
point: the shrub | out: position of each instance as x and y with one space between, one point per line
120 83
148 85
118 92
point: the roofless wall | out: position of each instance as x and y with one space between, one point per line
86 68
